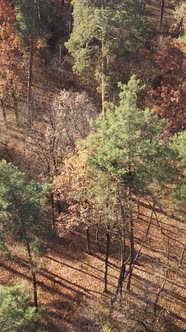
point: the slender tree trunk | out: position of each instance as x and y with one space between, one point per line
36 12
97 236
88 240
123 263
70 20
162 5
131 225
103 82
138 209
29 81
122 274
106 260
122 267
31 264
103 65
120 279
53 211
15 103
132 252
34 279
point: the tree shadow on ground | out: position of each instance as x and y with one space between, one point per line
151 289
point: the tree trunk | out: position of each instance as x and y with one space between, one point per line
131 225
122 274
103 84
15 103
138 209
162 5
97 234
97 238
123 263
122 268
88 240
103 66
34 282
29 81
132 253
31 265
34 279
106 260
53 212
120 279
103 77
36 11
70 20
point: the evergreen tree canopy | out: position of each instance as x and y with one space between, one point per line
32 17
105 31
126 143
20 201
16 315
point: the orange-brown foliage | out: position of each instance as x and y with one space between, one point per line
168 99
9 43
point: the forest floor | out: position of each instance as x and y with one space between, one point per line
71 281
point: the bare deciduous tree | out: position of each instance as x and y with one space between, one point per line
68 121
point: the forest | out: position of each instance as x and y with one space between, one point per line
92 165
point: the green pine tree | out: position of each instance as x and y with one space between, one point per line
127 144
126 148
32 18
16 314
104 34
21 203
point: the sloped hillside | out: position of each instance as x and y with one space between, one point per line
81 250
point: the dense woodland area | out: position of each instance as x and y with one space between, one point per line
92 165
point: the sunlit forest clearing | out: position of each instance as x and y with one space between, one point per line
92 168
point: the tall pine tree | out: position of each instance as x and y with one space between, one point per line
31 27
127 149
21 203
104 34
